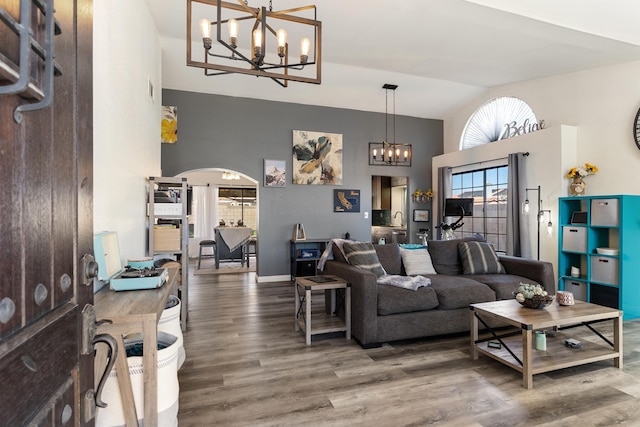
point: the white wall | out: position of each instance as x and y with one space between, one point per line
126 120
601 103
549 149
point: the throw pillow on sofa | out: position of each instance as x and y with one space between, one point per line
364 256
417 261
479 258
445 255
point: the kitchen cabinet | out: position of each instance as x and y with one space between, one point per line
381 192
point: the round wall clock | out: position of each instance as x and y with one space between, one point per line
636 129
487 123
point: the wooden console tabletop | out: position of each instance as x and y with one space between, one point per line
134 312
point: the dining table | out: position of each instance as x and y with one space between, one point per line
232 244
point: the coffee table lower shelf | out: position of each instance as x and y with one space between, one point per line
517 351
557 356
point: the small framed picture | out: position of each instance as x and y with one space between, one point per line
275 173
421 215
346 200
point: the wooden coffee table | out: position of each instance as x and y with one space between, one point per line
517 349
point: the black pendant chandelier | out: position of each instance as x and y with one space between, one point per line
387 153
240 39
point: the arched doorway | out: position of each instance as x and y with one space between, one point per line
219 194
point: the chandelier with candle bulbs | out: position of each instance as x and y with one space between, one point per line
388 153
240 39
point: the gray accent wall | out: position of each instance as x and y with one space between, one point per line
239 133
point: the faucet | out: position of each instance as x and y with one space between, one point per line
401 217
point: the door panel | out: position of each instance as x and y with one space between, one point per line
46 166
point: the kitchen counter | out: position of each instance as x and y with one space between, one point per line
389 233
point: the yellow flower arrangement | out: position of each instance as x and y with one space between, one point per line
419 193
582 171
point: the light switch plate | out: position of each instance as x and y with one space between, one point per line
366 215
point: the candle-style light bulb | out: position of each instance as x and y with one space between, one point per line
549 229
257 42
205 28
281 34
406 154
205 31
233 28
375 152
305 44
526 207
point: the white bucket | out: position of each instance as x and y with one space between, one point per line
170 323
168 387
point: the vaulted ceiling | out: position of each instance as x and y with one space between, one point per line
441 53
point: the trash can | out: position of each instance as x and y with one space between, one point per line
168 388
170 323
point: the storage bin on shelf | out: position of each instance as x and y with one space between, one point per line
577 288
604 212
604 270
574 239
166 238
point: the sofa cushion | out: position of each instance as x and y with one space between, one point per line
394 300
363 255
417 261
479 258
459 291
389 256
445 255
502 284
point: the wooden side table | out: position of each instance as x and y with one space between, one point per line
322 323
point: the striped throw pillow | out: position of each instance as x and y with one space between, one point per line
364 256
479 258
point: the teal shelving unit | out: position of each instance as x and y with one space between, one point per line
591 222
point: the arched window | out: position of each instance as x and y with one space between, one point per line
492 120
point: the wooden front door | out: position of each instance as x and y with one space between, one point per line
46 223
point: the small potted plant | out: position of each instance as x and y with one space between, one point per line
420 196
576 175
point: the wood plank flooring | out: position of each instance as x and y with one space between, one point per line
246 366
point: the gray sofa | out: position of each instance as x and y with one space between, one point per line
383 313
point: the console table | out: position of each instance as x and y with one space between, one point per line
133 312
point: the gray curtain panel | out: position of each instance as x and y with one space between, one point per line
444 192
518 237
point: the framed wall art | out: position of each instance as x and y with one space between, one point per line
421 215
346 200
169 131
275 173
317 158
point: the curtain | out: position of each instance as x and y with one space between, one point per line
518 236
444 192
205 207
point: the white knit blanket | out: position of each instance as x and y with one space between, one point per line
405 282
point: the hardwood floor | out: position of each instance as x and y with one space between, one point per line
246 366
